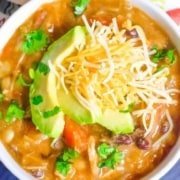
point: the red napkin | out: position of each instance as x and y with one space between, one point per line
175 15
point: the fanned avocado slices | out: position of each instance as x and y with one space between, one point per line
54 102
48 116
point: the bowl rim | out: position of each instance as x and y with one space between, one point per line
154 12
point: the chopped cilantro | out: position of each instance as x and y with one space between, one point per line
162 54
64 161
159 55
129 109
36 100
21 81
171 57
69 155
104 150
50 113
79 6
110 156
35 41
63 167
43 68
111 162
14 111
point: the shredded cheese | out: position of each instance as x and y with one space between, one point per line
114 70
164 137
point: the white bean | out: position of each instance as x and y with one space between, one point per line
6 83
80 164
8 135
5 69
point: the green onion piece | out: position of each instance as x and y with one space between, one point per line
35 41
36 100
21 81
50 113
79 6
43 68
14 112
31 73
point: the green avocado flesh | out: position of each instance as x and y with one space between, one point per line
117 122
45 85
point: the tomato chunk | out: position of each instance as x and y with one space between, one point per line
75 135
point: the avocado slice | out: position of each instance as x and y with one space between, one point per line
73 108
117 122
55 96
45 85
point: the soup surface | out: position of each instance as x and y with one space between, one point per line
89 92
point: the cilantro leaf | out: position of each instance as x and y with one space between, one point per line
69 155
170 55
104 150
64 161
43 68
110 156
162 54
79 6
35 41
159 55
14 111
111 162
21 81
50 113
36 100
63 167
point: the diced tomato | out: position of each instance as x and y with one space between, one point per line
75 135
175 15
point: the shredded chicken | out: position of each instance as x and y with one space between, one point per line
93 158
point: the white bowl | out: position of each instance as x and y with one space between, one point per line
158 15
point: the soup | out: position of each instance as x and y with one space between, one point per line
89 91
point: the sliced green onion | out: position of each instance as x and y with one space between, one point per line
50 113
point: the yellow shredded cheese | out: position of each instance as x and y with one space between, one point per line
162 138
113 71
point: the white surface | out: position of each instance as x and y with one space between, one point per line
21 15
167 4
171 4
